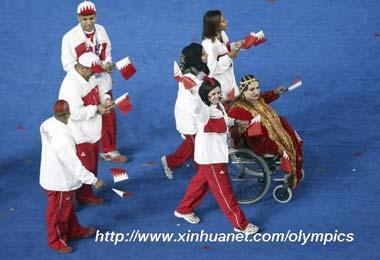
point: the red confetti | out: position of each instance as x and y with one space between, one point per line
357 154
21 128
149 163
206 247
376 34
127 194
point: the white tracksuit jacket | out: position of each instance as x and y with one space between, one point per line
83 97
75 43
61 169
220 65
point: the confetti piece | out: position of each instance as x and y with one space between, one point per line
149 163
206 247
354 170
357 154
11 209
20 127
376 34
271 1
187 165
178 225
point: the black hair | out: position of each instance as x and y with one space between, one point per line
207 85
191 57
211 23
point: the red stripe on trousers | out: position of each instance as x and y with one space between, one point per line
213 177
61 220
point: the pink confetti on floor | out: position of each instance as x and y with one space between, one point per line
20 127
376 34
357 154
271 1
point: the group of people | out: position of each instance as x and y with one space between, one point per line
84 126
82 129
213 104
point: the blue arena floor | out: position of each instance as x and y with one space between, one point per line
334 46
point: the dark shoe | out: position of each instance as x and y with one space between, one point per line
90 232
65 250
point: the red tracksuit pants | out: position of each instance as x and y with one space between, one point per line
62 223
213 177
88 155
183 153
108 140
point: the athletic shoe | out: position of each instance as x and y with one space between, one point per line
190 217
249 230
168 171
114 156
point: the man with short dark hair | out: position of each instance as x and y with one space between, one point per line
62 173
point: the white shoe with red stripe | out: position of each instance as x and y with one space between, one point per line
191 217
249 230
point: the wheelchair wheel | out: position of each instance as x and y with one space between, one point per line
250 176
282 194
302 175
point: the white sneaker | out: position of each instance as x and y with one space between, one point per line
168 172
249 230
114 156
191 217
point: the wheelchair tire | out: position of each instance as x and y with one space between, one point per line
249 174
282 194
302 175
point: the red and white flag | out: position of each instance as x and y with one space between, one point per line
254 39
296 84
119 174
187 82
123 103
126 68
121 193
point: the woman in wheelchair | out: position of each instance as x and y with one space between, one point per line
268 133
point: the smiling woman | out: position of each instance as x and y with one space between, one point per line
211 155
277 137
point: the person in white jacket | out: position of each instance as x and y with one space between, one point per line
61 173
87 104
90 37
220 52
193 65
211 155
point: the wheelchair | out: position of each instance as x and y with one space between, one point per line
251 176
